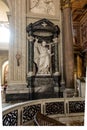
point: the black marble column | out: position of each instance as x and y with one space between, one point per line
30 55
55 40
30 65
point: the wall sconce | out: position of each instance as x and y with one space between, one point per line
18 56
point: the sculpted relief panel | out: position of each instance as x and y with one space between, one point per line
42 7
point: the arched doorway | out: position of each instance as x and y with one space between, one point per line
5 72
4 40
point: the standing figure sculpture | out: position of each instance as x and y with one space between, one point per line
43 60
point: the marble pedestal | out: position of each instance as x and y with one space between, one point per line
17 93
43 87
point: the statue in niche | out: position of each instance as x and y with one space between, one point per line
42 57
43 7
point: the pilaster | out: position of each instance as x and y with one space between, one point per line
17 72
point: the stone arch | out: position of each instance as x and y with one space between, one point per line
1 70
5 63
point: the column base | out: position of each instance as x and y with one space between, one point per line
62 88
69 93
17 92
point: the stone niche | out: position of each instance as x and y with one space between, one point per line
43 75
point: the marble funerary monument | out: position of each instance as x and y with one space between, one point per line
43 62
41 49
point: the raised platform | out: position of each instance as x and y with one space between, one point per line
17 93
17 97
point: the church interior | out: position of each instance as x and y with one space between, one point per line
43 59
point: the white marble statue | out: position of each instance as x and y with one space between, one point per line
42 57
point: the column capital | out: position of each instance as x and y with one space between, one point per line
66 4
55 40
30 38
